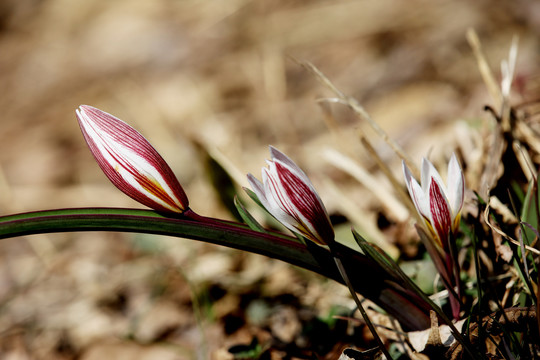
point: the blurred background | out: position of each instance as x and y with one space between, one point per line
211 84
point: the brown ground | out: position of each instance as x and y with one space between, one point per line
216 77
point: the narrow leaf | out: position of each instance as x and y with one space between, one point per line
247 217
379 286
255 198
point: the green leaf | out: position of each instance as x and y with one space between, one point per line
247 217
254 197
372 253
529 211
379 286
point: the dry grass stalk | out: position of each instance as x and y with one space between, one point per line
379 190
362 113
485 70
502 233
405 198
365 223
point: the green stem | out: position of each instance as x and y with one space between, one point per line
379 286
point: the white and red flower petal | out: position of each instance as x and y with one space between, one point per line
439 205
130 162
289 196
441 215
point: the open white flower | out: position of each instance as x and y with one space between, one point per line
439 205
287 193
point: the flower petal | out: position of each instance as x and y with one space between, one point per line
304 203
292 199
130 162
418 196
439 205
257 187
285 160
456 186
441 215
428 172
276 204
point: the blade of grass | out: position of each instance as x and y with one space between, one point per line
530 220
523 271
522 249
492 289
479 284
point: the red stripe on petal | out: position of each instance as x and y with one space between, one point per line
114 136
441 214
306 203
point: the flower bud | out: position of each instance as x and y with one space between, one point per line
289 196
130 162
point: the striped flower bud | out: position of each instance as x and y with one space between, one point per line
289 196
130 162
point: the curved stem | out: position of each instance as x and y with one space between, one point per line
378 286
192 226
